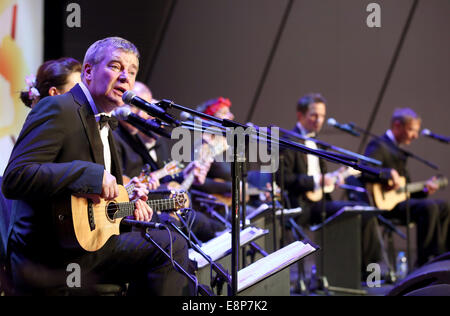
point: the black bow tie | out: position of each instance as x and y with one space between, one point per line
110 120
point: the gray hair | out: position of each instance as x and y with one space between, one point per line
95 52
404 116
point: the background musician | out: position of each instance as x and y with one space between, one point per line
305 173
431 216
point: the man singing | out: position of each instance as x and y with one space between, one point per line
66 148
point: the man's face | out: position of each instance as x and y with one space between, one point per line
407 132
224 113
111 77
314 118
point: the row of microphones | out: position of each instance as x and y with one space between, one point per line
124 113
350 128
428 133
129 97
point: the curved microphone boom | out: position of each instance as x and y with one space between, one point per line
428 133
129 97
349 128
124 113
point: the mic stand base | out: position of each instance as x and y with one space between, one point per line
318 283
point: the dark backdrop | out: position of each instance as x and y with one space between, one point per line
265 54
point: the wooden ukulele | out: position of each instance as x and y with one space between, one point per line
386 199
317 194
80 223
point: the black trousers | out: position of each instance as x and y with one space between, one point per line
432 218
127 258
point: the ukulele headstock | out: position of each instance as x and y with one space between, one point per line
180 199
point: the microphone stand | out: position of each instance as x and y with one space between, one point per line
235 228
244 205
222 275
323 281
235 174
203 290
213 213
332 147
283 205
274 214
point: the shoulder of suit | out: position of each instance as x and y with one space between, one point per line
53 112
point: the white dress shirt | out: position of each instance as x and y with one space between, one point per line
312 160
391 136
103 131
151 149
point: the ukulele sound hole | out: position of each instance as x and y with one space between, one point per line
111 211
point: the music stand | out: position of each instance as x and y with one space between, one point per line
341 232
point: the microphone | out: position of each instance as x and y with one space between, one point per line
443 139
129 97
124 114
185 116
349 128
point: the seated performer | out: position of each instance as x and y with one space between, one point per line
218 179
305 174
66 148
431 216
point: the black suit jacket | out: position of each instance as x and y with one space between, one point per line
134 154
58 152
296 180
386 151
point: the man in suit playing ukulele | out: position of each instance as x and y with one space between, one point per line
432 216
306 173
66 148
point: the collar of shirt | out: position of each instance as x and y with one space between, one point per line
391 136
92 103
150 145
304 131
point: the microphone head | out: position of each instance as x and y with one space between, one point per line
122 113
128 96
426 132
331 121
185 116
